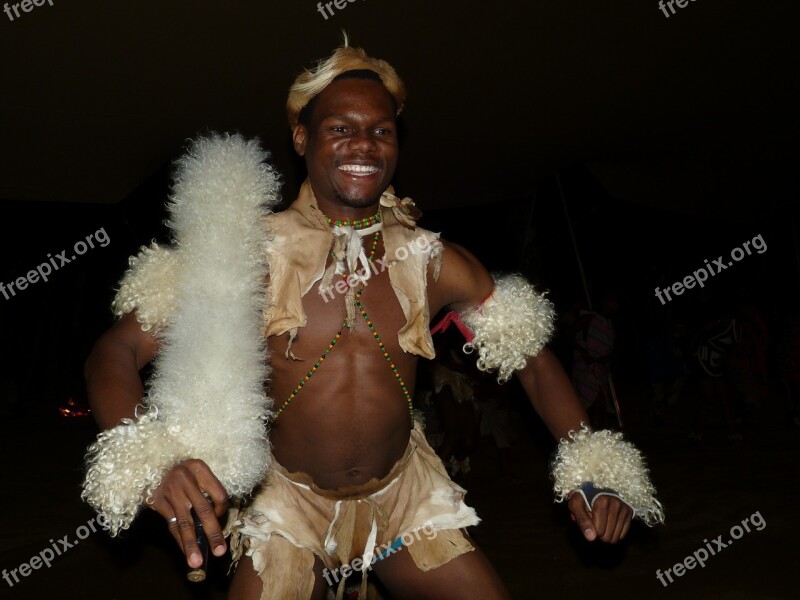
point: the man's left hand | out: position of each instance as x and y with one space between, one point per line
609 519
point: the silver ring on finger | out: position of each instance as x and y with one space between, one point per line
172 520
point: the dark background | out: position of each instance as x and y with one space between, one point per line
674 140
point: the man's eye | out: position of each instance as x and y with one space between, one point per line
383 131
339 129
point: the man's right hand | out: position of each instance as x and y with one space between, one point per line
181 490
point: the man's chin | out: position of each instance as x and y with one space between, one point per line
358 200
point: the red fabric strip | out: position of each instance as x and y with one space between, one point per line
454 318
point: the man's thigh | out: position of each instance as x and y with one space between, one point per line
247 585
469 575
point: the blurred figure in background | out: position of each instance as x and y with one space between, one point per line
666 360
494 413
454 399
592 353
748 362
788 360
709 365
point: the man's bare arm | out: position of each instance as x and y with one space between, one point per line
113 384
115 388
548 388
543 379
552 395
464 282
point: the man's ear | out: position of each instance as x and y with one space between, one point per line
299 139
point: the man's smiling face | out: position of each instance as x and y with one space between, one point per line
350 143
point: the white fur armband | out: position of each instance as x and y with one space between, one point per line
206 399
606 460
513 325
149 287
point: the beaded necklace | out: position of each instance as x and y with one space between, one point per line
356 223
332 343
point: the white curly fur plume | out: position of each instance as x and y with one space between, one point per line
608 461
206 399
512 326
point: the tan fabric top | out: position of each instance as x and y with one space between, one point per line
297 257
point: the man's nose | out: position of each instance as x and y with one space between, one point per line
362 141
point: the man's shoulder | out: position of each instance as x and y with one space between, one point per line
463 281
458 257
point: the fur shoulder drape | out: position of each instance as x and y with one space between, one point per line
206 399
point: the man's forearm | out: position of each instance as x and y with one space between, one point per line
602 458
552 395
113 385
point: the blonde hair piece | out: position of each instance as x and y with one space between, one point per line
312 82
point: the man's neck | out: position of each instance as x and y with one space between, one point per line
338 210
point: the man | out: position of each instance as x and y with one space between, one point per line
351 472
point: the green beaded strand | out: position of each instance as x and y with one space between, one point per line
365 316
356 223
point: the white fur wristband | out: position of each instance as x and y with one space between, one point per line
608 461
126 464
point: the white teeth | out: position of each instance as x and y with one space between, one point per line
358 169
